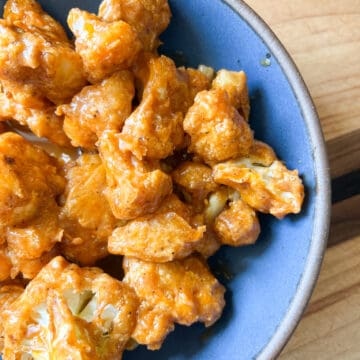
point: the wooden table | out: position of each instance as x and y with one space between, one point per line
323 37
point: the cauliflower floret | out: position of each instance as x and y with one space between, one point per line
86 216
104 47
30 181
97 108
29 16
148 17
134 187
163 236
209 244
217 130
29 268
235 84
182 291
68 312
263 182
195 181
238 225
155 127
198 81
41 121
8 294
46 67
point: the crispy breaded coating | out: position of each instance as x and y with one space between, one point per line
86 216
217 130
134 187
198 81
238 225
195 180
269 189
68 312
155 127
47 67
148 17
163 236
41 121
8 294
209 244
29 16
97 108
261 154
182 291
30 181
103 46
27 267
235 85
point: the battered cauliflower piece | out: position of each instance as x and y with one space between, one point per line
28 268
238 225
8 294
198 81
134 187
265 184
97 108
235 84
148 17
105 47
68 312
41 121
155 127
209 244
163 236
30 181
29 16
195 181
47 67
182 291
217 130
86 216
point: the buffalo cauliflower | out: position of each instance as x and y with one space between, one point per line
182 291
68 312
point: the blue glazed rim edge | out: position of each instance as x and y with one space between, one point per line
323 192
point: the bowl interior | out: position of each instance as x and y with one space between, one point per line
261 280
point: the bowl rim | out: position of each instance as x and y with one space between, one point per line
321 216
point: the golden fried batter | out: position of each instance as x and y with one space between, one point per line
29 16
148 17
48 67
86 215
270 189
134 188
198 81
182 291
209 244
235 84
194 179
163 236
238 225
97 108
8 294
155 127
41 121
104 47
29 268
217 130
29 184
68 312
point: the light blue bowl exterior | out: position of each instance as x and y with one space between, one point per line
265 277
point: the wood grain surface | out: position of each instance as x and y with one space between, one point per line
323 38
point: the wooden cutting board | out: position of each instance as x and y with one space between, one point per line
323 37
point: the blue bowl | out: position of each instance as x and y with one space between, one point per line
269 284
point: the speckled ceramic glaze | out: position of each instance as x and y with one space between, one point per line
269 284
